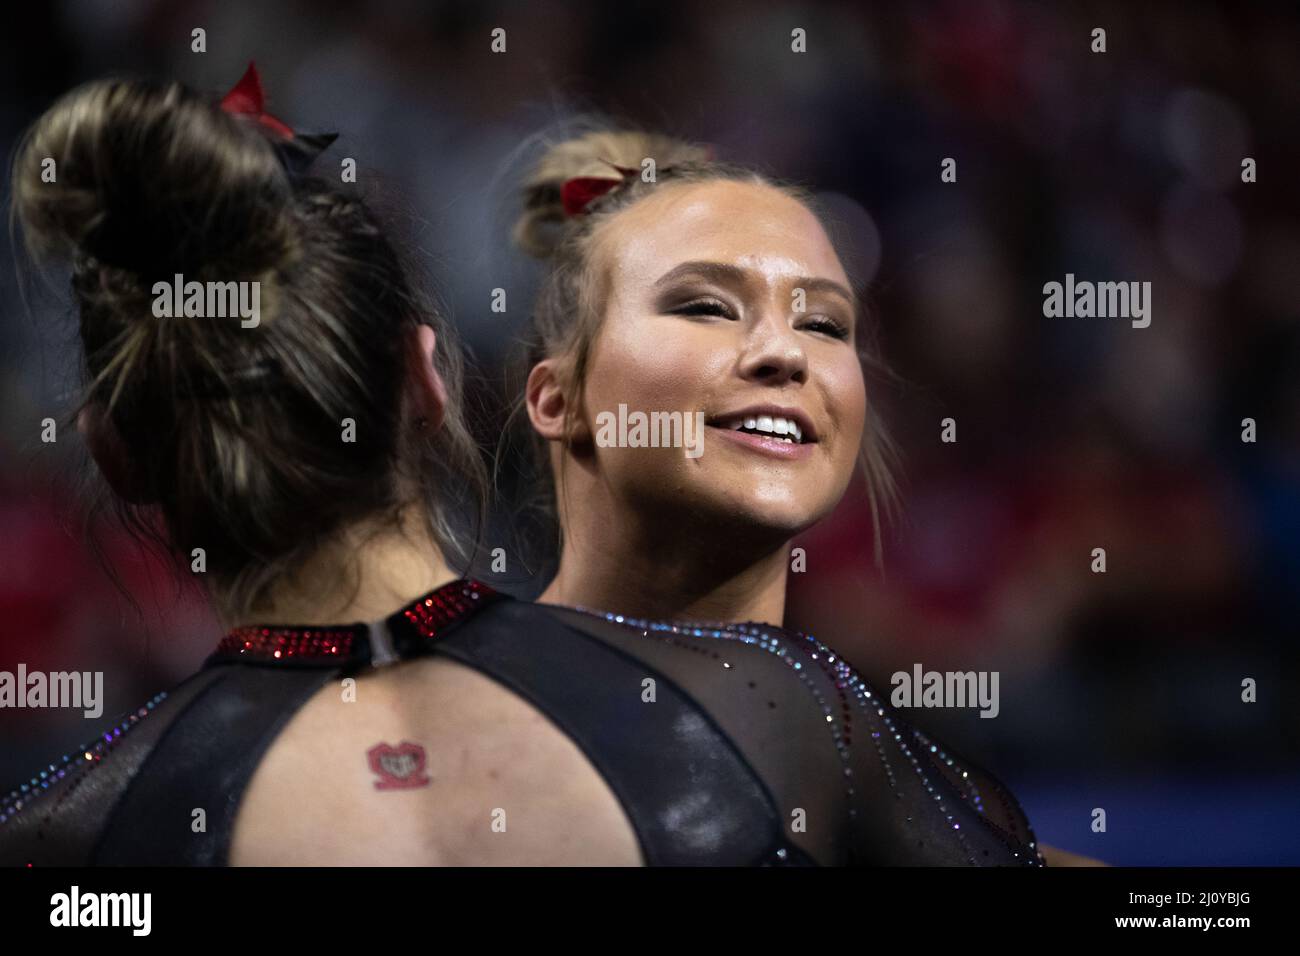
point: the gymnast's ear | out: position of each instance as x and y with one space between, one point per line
547 400
425 388
106 447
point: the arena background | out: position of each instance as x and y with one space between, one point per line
1119 690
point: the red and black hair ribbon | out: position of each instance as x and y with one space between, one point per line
297 150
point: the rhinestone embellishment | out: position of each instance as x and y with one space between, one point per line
287 643
448 604
82 759
847 683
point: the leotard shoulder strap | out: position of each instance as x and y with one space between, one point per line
849 779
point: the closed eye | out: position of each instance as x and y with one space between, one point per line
821 324
704 307
828 326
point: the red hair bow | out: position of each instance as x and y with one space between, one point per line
296 150
577 192
248 99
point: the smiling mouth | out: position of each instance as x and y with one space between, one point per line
772 427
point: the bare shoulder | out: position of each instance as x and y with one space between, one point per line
427 763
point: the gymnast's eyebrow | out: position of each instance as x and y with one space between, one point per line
726 274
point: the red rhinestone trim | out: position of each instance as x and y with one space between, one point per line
447 605
287 643
429 616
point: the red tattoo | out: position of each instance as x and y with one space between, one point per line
400 767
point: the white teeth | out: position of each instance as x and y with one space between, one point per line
775 426
772 425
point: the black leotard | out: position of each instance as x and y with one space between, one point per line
726 744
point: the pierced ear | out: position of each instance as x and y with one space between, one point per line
110 454
425 389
